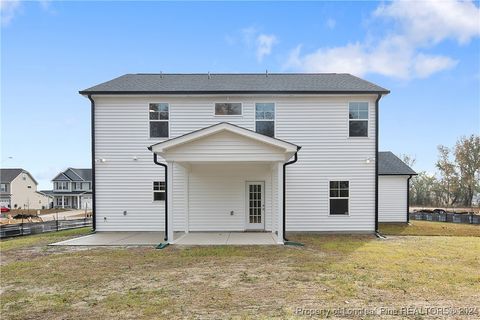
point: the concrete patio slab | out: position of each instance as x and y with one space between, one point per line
252 238
227 238
203 238
115 239
143 238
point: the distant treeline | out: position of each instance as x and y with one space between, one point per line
457 179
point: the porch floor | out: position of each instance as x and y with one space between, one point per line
227 238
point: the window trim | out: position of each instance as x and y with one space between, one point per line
274 116
154 191
368 119
150 120
348 198
228 115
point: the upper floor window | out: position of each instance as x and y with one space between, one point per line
62 185
158 190
265 118
358 119
3 187
228 109
159 117
339 196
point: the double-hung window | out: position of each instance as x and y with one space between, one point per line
159 116
159 191
265 119
339 197
62 185
228 109
3 187
358 119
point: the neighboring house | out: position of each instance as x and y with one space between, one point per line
393 184
218 152
18 189
72 188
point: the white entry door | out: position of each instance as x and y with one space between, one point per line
255 205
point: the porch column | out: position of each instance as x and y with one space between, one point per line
280 203
170 201
78 203
63 202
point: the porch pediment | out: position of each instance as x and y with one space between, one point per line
224 142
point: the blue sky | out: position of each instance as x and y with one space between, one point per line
426 53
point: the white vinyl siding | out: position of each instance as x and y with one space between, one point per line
317 123
216 190
392 198
320 126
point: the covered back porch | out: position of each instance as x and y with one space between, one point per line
224 180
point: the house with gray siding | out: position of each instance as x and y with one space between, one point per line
266 152
72 189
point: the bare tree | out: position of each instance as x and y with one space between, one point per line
467 158
450 181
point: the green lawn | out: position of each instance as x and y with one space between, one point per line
40 282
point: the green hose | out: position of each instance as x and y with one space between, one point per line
162 245
293 243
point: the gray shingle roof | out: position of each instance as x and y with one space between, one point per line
74 174
85 174
7 175
236 83
390 164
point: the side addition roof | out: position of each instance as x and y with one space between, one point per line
390 164
230 83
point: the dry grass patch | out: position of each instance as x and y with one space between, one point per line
241 281
429 228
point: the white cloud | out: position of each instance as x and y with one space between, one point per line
331 23
265 42
262 43
8 10
434 21
398 54
425 65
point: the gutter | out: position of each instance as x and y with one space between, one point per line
377 233
155 160
285 240
92 125
408 198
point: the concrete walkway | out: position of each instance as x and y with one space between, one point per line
143 238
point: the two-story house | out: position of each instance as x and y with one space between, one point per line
18 189
72 188
236 152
